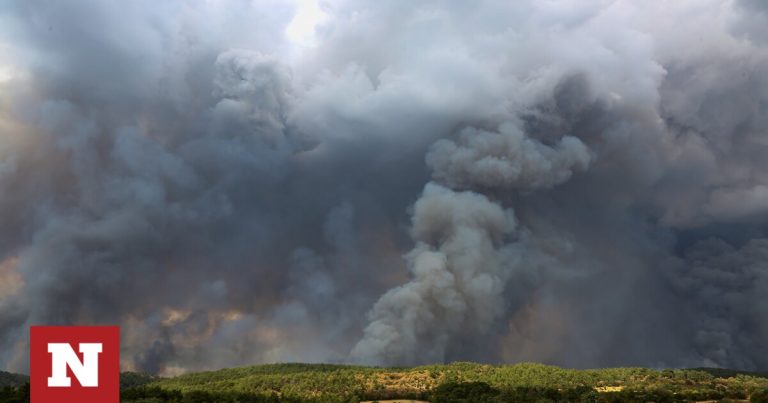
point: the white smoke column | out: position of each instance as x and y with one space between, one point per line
463 258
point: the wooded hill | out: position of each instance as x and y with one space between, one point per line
457 382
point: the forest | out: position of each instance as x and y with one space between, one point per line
456 382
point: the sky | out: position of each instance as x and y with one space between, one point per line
573 182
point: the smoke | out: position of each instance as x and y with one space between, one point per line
463 257
459 272
505 159
574 182
725 285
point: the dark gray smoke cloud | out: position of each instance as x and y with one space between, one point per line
580 183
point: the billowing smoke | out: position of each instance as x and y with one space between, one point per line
574 182
464 253
506 159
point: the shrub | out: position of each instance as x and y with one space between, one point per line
467 392
759 397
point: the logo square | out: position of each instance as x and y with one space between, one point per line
78 364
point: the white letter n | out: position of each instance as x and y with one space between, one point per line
63 356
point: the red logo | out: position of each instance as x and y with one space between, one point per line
77 364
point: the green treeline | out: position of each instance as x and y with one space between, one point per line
458 382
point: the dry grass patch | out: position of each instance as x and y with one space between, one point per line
606 389
400 382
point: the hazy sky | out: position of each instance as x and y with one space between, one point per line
575 182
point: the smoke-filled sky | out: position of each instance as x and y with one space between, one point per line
575 182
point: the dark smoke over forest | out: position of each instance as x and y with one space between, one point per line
575 182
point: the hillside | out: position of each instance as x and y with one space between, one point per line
454 382
457 382
10 379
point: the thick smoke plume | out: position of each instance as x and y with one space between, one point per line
574 182
463 257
